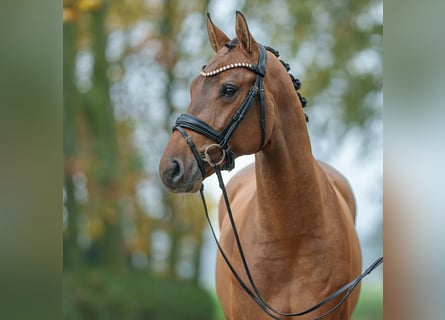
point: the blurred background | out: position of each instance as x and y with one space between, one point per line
131 250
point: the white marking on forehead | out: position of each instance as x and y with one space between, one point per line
225 68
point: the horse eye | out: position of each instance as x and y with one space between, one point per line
228 90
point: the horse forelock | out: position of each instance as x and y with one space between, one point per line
232 44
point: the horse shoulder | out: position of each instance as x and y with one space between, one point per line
241 187
341 185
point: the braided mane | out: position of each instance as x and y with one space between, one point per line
296 82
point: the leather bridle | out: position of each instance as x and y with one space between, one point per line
227 162
222 137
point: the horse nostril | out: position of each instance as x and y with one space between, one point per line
176 170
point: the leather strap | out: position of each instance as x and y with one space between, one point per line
255 295
193 148
222 137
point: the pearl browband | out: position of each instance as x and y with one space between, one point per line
227 67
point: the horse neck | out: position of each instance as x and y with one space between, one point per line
287 177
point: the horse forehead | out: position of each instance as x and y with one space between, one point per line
202 87
201 96
221 56
227 56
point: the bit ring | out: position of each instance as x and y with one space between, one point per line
208 158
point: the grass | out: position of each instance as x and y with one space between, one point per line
370 304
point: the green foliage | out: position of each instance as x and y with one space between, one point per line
97 294
334 48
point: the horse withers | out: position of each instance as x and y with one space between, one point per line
295 215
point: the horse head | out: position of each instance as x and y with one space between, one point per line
226 117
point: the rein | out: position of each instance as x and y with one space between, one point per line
256 296
226 162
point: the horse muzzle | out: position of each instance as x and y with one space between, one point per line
178 175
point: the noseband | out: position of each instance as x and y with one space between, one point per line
222 137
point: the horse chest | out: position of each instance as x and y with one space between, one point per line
274 273
288 279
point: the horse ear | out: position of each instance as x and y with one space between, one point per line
248 44
216 37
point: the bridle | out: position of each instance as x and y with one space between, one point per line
222 137
227 162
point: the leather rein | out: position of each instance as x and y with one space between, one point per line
226 162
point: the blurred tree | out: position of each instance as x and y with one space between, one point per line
335 48
108 220
72 254
168 57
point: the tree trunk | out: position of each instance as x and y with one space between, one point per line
105 167
71 251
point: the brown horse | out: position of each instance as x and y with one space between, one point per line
295 215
